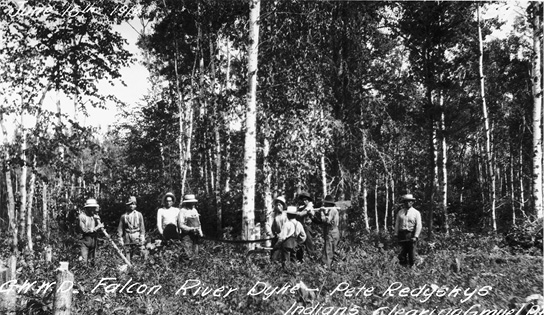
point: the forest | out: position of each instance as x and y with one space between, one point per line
249 100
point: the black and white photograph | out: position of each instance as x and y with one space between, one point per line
271 157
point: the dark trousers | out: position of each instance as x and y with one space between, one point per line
275 253
170 233
308 246
288 250
408 248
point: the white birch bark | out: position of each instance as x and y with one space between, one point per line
487 130
250 152
537 111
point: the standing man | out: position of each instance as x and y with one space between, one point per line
292 235
167 219
131 230
407 230
305 214
331 234
89 225
275 222
189 224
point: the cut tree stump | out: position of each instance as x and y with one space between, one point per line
8 298
63 290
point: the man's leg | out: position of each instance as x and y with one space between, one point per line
327 250
411 248
127 249
84 252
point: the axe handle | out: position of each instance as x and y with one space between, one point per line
116 248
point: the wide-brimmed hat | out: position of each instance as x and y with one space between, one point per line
291 210
282 200
305 194
131 200
169 194
91 203
189 199
408 197
329 200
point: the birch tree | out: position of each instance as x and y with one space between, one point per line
487 129
250 142
536 8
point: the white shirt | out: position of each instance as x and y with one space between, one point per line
408 220
292 228
167 216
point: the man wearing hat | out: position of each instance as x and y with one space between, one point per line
189 224
275 222
89 225
305 214
292 235
331 234
407 229
167 218
131 230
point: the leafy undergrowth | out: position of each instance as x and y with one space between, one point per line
460 271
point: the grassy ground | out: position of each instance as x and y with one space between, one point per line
455 274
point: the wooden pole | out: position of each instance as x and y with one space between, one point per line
8 298
116 248
48 253
63 290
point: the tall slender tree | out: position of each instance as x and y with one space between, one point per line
250 142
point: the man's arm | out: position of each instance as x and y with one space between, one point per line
120 229
418 225
142 227
159 220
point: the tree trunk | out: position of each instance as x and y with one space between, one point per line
217 115
365 205
433 167
362 177
323 167
45 212
444 163
267 173
386 211
391 212
376 206
511 185
227 164
30 202
250 154
12 215
211 170
488 153
22 188
520 179
537 111
226 188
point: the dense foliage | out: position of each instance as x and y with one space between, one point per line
467 261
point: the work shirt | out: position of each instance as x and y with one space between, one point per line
409 220
131 228
87 223
189 219
330 219
292 228
275 222
166 217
